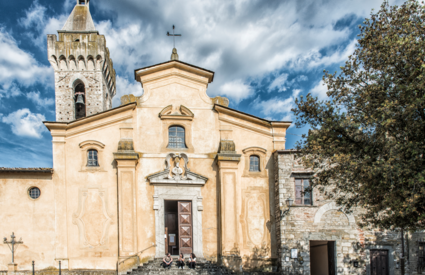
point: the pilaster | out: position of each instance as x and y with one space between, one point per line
230 195
127 160
59 177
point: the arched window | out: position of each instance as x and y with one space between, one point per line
92 158
254 164
80 101
176 137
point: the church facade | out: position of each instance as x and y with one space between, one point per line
172 171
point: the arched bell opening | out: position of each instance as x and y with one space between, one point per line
79 99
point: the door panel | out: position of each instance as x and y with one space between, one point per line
185 226
379 262
331 257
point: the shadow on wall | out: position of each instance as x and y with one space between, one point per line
258 261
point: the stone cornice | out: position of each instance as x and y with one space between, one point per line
244 116
173 64
69 125
26 170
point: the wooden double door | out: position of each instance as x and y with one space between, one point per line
379 262
178 227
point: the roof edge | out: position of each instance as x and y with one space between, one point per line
287 151
26 170
252 118
64 125
210 79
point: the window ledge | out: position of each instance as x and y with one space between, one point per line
255 174
308 206
92 169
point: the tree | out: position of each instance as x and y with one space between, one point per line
367 140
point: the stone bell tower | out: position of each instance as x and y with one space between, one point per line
84 73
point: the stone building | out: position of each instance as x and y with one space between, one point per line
328 241
171 171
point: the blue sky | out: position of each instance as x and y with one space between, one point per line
264 55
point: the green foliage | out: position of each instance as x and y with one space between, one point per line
367 141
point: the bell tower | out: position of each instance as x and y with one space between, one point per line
84 73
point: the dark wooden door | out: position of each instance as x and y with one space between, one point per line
185 227
379 262
331 258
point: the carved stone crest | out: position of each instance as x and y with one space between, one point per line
177 172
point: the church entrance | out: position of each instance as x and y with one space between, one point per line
178 227
322 257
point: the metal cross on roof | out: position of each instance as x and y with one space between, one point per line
174 36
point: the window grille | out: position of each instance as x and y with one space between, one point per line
92 158
176 136
421 256
303 194
254 164
34 193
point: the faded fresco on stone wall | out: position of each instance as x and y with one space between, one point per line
93 218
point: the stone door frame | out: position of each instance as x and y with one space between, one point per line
178 193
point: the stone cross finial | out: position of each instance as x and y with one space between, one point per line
174 55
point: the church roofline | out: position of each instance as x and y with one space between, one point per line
64 31
288 151
26 170
252 118
64 125
170 64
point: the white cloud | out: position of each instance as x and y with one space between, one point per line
17 65
282 84
40 102
9 90
320 90
240 40
338 56
126 87
277 106
36 17
25 123
237 90
279 83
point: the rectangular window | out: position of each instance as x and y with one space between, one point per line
92 158
303 194
176 137
254 162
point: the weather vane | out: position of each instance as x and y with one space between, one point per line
174 36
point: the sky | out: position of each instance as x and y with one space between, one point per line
265 54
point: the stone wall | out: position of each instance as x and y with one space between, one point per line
81 58
323 221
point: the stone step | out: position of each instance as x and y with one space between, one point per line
203 267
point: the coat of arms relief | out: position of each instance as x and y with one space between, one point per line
177 172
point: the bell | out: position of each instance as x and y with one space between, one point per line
80 100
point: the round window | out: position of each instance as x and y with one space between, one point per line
34 192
